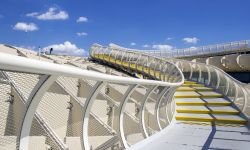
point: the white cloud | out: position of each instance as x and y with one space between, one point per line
51 14
33 14
22 26
192 40
169 38
66 48
162 47
146 46
132 44
82 19
81 34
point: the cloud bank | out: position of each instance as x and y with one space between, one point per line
66 48
52 14
192 40
27 27
82 19
162 47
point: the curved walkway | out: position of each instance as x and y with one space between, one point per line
203 119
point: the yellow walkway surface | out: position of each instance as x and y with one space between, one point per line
199 103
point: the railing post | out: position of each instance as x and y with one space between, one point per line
138 58
110 55
98 52
218 79
86 111
157 106
117 52
200 73
142 111
161 71
170 93
121 108
122 58
209 76
191 70
33 101
155 65
148 62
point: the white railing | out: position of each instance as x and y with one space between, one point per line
208 75
219 80
199 72
137 61
236 46
49 73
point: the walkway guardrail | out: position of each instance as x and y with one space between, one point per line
208 75
236 46
136 61
211 76
70 116
219 80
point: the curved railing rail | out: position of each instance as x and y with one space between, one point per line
224 48
208 74
130 125
137 62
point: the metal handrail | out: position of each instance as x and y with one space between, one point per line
19 64
96 49
194 51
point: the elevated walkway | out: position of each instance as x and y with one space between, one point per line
204 51
202 106
63 105
230 57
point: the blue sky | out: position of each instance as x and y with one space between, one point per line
140 24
